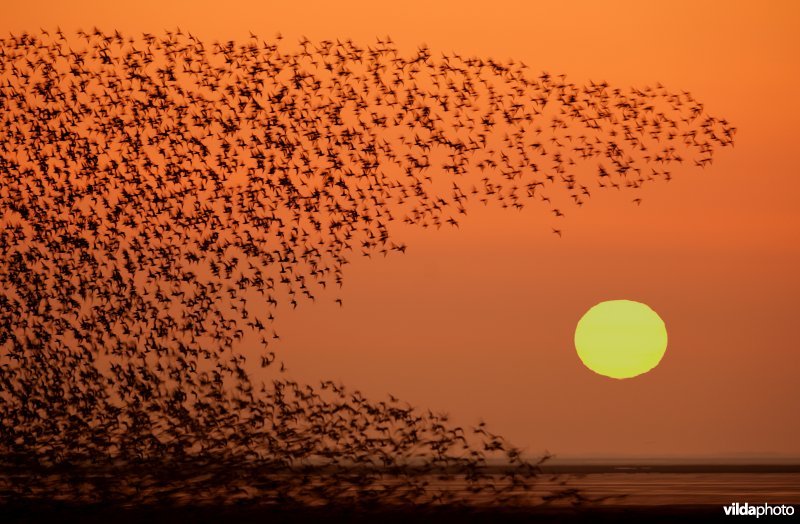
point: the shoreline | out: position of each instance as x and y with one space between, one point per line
34 512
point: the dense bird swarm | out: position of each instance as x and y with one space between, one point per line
161 196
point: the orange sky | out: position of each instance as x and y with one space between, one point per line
479 321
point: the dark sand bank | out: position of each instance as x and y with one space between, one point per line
34 513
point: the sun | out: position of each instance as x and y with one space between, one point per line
621 338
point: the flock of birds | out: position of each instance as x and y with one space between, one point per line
161 196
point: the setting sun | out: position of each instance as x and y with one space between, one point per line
621 338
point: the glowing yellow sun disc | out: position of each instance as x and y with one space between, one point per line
621 338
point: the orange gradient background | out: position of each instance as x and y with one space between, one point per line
479 321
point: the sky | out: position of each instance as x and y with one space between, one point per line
479 321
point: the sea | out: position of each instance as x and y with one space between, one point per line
609 492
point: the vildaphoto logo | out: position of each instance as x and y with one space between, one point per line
758 510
